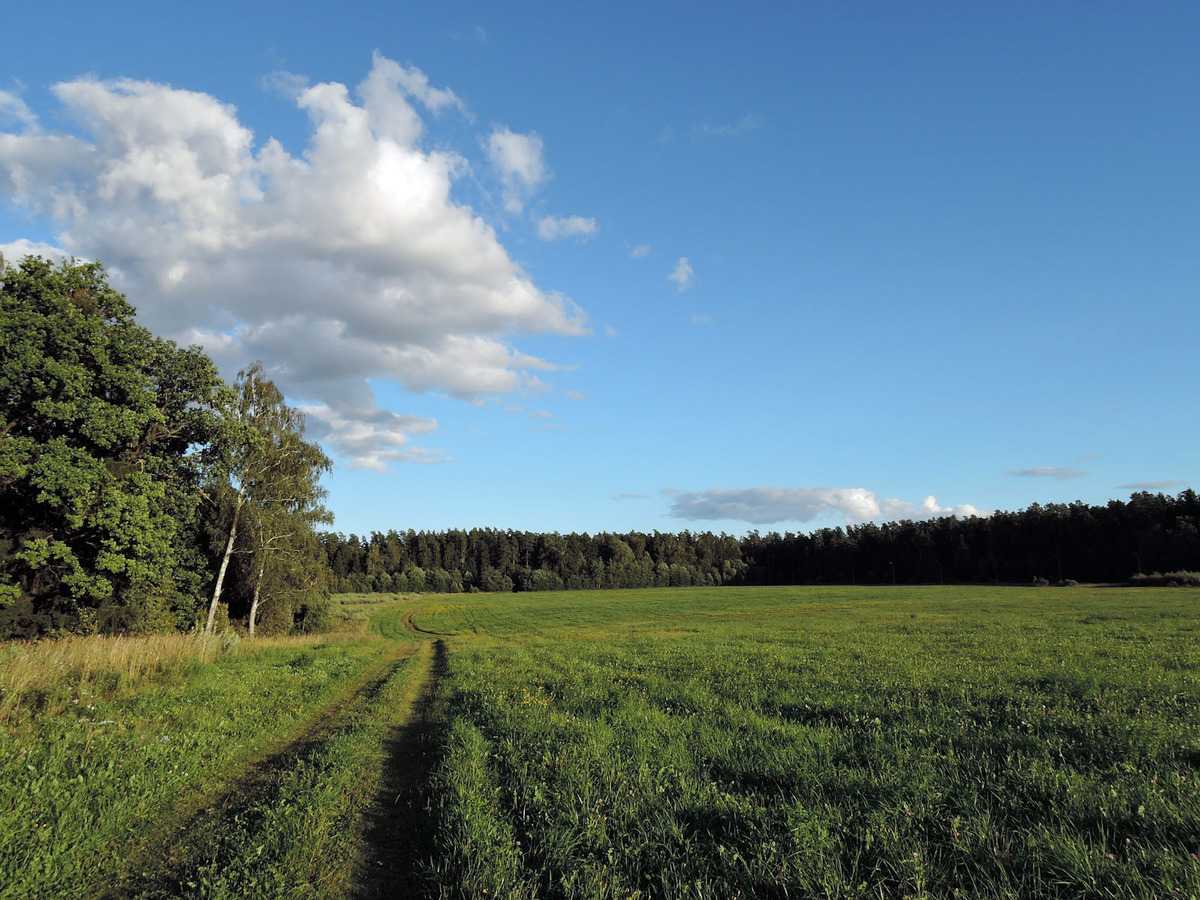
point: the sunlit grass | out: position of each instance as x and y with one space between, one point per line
351 613
822 742
108 741
47 677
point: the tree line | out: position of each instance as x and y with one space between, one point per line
138 490
1051 544
141 492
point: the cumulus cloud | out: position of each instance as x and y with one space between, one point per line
641 251
520 161
767 505
682 274
631 497
360 435
553 228
386 75
1059 473
347 262
17 250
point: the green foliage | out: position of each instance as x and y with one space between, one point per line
267 500
1057 543
101 431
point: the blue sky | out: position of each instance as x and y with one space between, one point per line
568 267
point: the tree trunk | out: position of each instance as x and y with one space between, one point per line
216 597
262 567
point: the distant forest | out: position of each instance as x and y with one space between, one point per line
140 492
1054 543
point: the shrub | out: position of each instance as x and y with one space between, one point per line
1170 579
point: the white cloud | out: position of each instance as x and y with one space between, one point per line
16 251
13 107
682 274
553 228
520 160
767 505
641 251
373 438
701 320
1060 473
748 122
574 395
387 73
349 262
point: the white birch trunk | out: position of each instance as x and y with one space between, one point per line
216 597
262 567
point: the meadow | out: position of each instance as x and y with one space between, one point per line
180 766
668 743
821 742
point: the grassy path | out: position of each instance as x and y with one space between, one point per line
401 825
335 809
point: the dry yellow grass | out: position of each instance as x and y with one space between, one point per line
43 677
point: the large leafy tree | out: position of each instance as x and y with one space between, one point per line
103 436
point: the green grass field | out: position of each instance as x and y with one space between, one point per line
229 769
791 742
817 742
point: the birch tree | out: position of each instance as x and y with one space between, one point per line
271 482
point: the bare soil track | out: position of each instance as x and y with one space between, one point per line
396 831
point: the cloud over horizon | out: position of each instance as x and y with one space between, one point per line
347 262
769 505
1060 473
